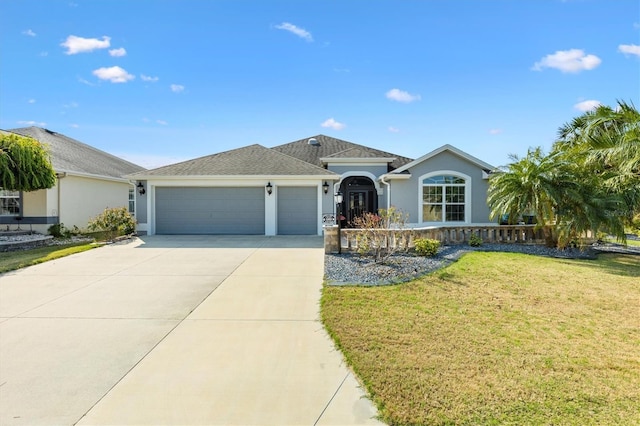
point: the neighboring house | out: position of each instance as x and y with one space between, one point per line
89 180
289 189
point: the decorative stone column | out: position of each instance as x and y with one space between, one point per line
331 239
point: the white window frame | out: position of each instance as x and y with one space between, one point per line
467 196
6 194
132 201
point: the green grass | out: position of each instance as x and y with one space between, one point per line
629 242
13 260
498 338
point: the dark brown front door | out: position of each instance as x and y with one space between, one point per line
357 204
360 197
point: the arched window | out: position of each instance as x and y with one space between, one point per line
445 197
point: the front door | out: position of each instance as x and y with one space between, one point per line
357 204
360 197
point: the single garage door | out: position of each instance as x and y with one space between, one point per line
297 210
181 210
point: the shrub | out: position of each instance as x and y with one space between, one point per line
382 233
117 221
58 230
426 246
475 240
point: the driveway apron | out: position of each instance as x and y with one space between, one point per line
174 330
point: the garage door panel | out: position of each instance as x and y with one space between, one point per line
184 210
297 210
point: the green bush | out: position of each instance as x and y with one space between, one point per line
57 230
117 221
426 246
475 240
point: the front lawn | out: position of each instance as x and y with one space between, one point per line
12 260
498 338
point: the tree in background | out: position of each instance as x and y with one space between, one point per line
532 185
589 182
24 164
606 143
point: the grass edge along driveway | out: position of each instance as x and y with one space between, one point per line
498 338
12 260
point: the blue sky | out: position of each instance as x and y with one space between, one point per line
156 82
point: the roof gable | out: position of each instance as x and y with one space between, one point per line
468 157
326 146
252 160
70 155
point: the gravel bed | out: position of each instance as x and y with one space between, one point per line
353 269
28 241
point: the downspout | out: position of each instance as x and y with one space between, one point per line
60 176
388 191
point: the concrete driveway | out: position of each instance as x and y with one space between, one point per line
174 330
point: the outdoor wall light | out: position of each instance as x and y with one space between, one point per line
325 187
269 188
140 187
338 197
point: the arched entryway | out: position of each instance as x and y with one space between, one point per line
359 196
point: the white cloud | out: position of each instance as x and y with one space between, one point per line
113 74
72 104
75 44
572 60
333 124
148 78
393 129
74 125
588 105
29 33
162 122
401 96
118 52
43 54
83 81
32 101
177 88
32 123
629 49
300 32
495 131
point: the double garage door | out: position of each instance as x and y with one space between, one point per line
240 211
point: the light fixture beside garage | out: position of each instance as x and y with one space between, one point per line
325 187
269 188
141 189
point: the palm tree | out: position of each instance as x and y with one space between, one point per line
606 142
528 185
566 200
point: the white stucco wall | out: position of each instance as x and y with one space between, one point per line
35 203
83 198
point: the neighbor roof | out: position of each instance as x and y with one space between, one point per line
72 156
252 160
325 146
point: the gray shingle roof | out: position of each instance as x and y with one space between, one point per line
70 155
356 153
252 160
328 146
